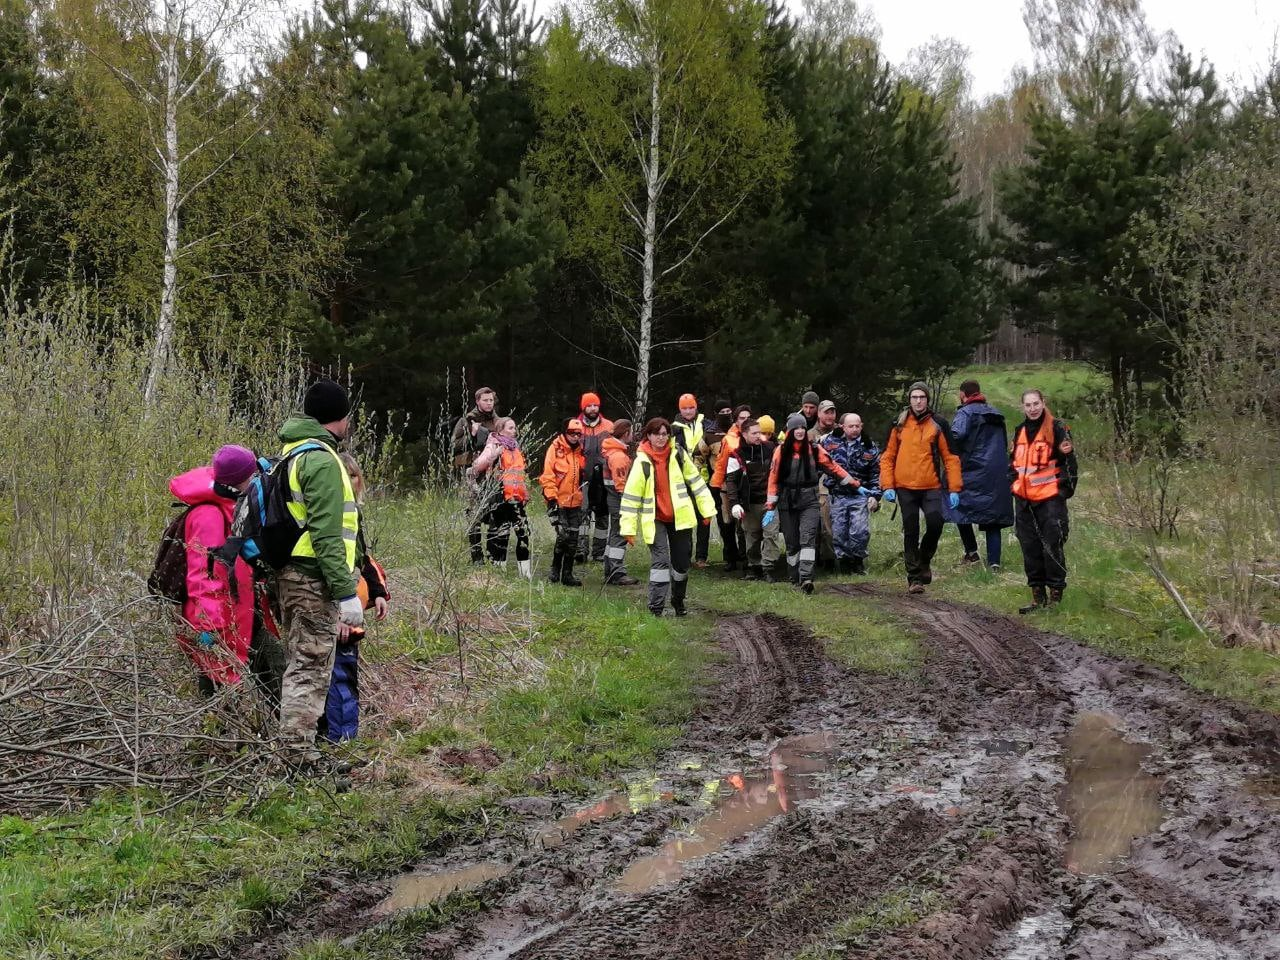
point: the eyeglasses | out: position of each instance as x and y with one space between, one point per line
574 433
660 433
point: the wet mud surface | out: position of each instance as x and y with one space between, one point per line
1053 803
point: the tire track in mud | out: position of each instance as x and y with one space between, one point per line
1206 884
953 779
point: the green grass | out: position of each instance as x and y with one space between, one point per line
892 911
855 631
613 687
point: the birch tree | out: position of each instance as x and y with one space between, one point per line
656 130
184 63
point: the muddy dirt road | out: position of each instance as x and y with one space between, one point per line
1024 797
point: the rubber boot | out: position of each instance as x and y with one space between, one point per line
858 566
1039 599
567 579
525 570
557 560
1055 595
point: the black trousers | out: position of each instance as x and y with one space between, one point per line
504 519
918 551
567 530
729 531
1042 527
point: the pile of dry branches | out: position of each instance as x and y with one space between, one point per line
108 702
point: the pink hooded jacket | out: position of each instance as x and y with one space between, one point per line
209 606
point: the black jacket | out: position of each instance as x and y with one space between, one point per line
749 483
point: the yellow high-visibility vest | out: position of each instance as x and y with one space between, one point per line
298 506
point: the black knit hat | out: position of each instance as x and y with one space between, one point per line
326 402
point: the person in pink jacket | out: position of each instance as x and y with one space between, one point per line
217 625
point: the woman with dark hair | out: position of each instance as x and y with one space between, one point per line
793 495
659 502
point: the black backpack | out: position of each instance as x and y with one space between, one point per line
168 579
263 531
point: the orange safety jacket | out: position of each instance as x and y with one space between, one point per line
562 471
1035 468
514 483
617 464
732 437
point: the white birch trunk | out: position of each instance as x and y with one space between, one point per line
166 323
648 292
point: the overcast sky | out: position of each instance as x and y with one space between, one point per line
1236 35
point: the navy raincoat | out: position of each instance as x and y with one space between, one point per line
980 440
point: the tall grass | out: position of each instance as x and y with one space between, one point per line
84 468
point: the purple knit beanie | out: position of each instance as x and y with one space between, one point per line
233 465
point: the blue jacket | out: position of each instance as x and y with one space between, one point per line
980 440
860 459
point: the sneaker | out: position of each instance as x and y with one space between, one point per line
994 568
970 559
679 610
916 588
656 613
806 586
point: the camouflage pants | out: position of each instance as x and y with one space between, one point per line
310 629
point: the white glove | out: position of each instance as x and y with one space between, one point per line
738 512
351 612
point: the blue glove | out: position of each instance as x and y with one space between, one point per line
954 500
862 492
891 496
206 640
769 517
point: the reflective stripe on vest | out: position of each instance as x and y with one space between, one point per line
298 506
514 484
692 434
1036 474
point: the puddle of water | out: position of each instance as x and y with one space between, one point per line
740 804
1265 789
414 890
1107 797
1037 937
640 795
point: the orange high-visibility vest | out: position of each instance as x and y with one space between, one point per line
514 484
1036 472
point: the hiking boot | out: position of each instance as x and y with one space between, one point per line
858 566
806 586
567 579
1039 600
752 573
679 610
623 579
769 577
657 612
970 559
839 568
1055 595
699 564
730 566
915 588
926 578
557 560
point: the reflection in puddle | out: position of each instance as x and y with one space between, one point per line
641 795
1108 799
739 805
414 890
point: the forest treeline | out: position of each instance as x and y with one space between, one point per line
642 198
